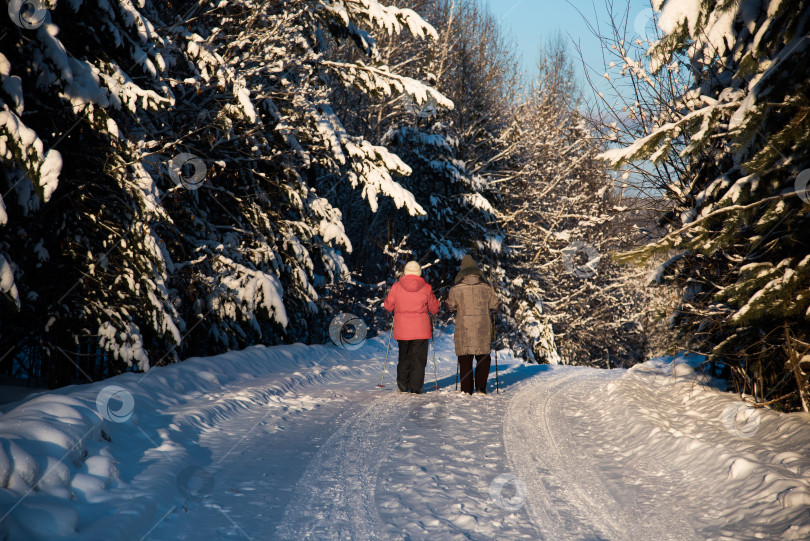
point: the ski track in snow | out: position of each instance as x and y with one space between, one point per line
335 497
569 496
552 500
435 482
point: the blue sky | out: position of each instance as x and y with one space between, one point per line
531 22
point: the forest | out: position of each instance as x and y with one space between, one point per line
185 178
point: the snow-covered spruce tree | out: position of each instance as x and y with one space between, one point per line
570 301
478 69
737 235
276 141
455 155
475 66
244 86
70 215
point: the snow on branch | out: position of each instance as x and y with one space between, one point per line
657 144
20 144
7 285
381 81
247 289
388 18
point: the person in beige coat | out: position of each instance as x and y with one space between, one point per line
472 298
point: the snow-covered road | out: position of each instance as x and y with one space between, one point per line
298 443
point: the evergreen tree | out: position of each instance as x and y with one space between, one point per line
185 212
736 237
456 155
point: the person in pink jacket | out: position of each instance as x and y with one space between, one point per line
411 299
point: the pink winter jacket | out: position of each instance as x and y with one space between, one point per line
411 299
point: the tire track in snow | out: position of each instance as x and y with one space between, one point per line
335 498
567 496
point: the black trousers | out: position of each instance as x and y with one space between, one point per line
411 366
481 372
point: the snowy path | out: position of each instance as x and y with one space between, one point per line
359 463
367 464
298 443
563 501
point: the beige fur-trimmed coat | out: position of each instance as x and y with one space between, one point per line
472 298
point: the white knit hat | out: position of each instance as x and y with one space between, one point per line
413 267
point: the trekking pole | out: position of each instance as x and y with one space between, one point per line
433 343
495 335
497 383
381 386
458 371
495 340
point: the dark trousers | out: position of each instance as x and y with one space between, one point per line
481 372
411 366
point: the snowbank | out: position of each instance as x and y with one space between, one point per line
105 460
667 413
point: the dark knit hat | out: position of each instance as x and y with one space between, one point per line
468 267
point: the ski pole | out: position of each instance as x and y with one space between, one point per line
458 368
433 343
494 339
495 345
497 383
381 386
